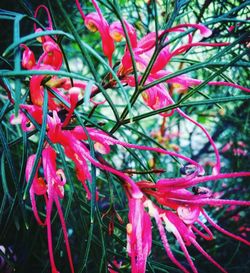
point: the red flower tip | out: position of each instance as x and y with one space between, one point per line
52 54
117 33
204 31
95 21
28 58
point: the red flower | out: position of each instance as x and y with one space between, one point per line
139 235
52 188
95 21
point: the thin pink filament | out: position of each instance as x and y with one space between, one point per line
48 14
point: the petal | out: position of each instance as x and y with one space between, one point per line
39 186
94 22
28 58
188 214
117 33
53 55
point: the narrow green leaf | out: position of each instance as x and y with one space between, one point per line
40 143
17 62
4 109
4 178
8 155
34 36
3 205
198 65
87 93
9 73
85 49
93 197
194 103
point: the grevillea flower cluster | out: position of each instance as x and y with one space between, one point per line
177 205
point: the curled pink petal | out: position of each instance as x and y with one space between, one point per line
53 55
38 187
204 31
28 58
117 33
188 214
138 235
95 21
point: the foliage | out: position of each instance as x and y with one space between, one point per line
116 111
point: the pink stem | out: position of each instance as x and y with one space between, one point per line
222 230
185 251
70 113
197 26
208 231
65 235
230 84
212 202
169 184
97 9
166 244
49 234
206 255
201 179
48 14
80 9
158 150
185 47
216 168
136 193
34 208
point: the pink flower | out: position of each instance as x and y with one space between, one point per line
185 237
51 59
38 187
52 189
188 214
182 224
186 208
52 54
237 151
79 152
139 235
37 89
95 21
158 97
178 207
117 33
142 53
28 58
116 264
26 125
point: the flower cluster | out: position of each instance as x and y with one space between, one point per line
175 204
